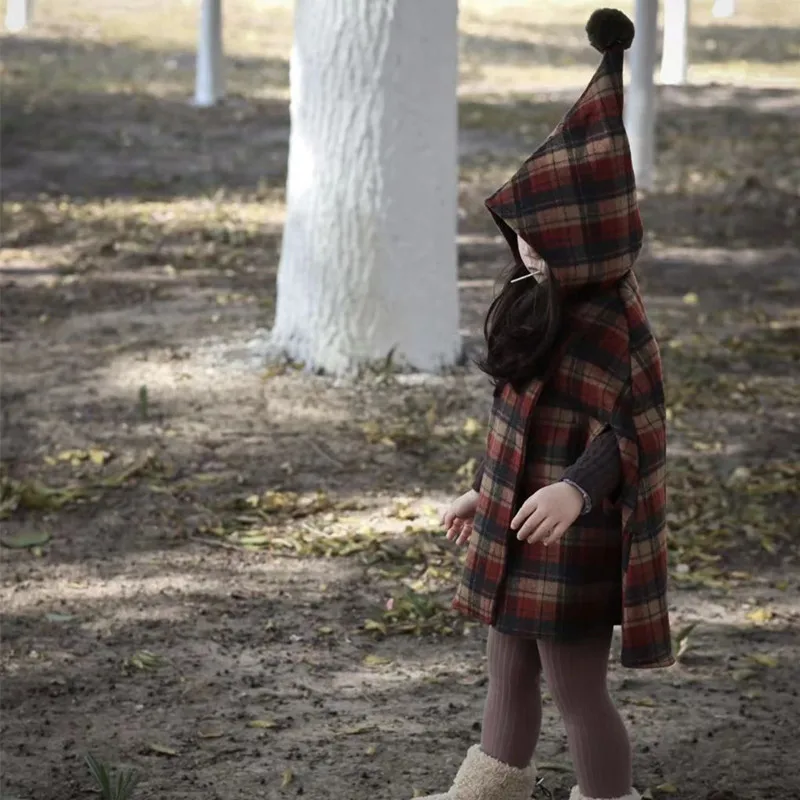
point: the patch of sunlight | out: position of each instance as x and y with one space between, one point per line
467 239
749 74
713 257
182 212
562 11
675 450
399 671
477 283
749 13
250 28
77 588
40 261
492 76
765 606
210 370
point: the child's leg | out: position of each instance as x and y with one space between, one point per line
512 718
598 742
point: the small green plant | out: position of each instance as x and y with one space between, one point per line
120 789
144 402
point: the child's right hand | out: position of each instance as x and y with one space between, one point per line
457 520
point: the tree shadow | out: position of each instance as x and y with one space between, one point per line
90 64
246 632
126 111
316 696
765 44
552 46
724 166
566 45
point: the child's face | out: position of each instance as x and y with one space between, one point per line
531 259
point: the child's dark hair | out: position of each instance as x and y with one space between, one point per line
522 325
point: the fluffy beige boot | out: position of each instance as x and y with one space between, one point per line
578 795
482 777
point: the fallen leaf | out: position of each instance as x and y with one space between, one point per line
288 777
162 749
691 299
145 660
20 541
262 723
74 457
683 634
211 731
739 475
357 730
667 788
376 661
768 545
54 616
761 615
472 427
374 625
554 766
254 540
99 457
764 660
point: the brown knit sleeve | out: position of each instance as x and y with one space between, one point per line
476 483
598 471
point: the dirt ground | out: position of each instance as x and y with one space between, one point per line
228 575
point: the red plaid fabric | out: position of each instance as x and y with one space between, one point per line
574 201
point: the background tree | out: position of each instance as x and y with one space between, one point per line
209 85
640 103
675 55
368 263
18 15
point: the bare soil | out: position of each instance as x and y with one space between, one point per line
232 578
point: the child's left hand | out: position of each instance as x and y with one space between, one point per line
547 514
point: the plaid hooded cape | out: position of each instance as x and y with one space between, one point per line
574 202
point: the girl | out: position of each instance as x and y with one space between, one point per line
565 523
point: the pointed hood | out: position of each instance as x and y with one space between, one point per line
574 199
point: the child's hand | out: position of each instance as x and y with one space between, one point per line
547 514
457 520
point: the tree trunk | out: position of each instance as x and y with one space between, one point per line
210 72
368 263
675 58
723 9
640 105
18 15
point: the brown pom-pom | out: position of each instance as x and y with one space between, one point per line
607 28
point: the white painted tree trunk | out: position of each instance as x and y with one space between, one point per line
723 9
675 56
640 105
368 263
210 70
19 14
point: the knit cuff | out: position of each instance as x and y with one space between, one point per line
476 481
587 501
